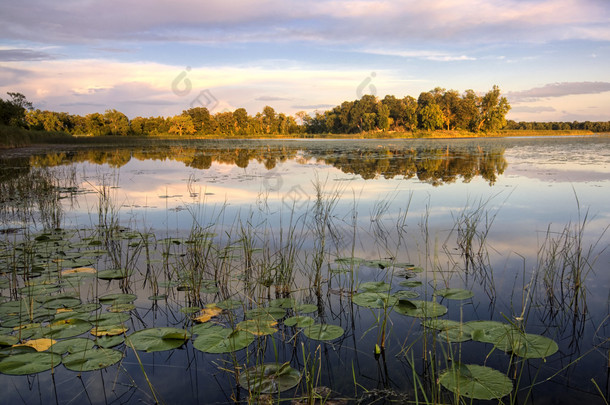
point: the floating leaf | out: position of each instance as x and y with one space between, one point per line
105 319
269 378
207 313
375 286
305 308
286 303
222 340
410 283
158 339
258 327
72 345
489 331
323 332
474 381
109 330
531 346
229 304
374 300
113 274
406 295
423 309
299 321
57 302
66 328
40 345
455 293
109 341
124 307
29 363
94 359
274 313
190 310
79 272
118 298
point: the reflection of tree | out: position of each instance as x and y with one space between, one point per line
431 164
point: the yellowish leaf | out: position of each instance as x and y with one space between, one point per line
207 313
78 270
39 344
108 330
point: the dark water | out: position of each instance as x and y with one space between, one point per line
538 257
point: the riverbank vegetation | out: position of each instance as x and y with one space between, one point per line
438 113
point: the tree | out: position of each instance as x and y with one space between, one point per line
493 110
12 112
241 120
182 124
117 122
429 114
269 120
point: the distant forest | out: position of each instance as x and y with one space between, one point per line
438 109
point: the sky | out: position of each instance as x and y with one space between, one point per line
550 58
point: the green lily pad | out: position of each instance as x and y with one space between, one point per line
274 313
531 346
121 307
94 359
300 321
66 328
374 300
375 286
455 293
269 378
406 295
62 301
423 309
190 310
118 298
109 341
305 308
410 283
286 303
323 332
229 304
257 327
111 318
29 363
474 381
490 331
158 339
72 345
113 274
8 340
222 340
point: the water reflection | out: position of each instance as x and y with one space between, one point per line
433 165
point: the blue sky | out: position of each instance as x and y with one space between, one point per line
550 58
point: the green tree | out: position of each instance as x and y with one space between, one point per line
493 110
182 124
117 122
269 120
241 120
12 112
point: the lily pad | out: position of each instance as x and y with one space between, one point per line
300 321
375 286
122 307
109 330
94 359
323 332
258 327
158 339
118 298
305 308
66 328
269 378
410 283
286 303
455 293
229 304
374 300
406 295
113 274
474 381
72 345
222 340
109 341
274 313
29 363
423 309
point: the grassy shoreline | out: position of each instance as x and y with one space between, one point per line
11 137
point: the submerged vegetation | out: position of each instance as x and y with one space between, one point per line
277 304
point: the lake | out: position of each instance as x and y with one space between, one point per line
296 271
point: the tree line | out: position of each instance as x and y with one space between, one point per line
432 110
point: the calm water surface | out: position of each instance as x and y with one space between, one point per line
535 206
